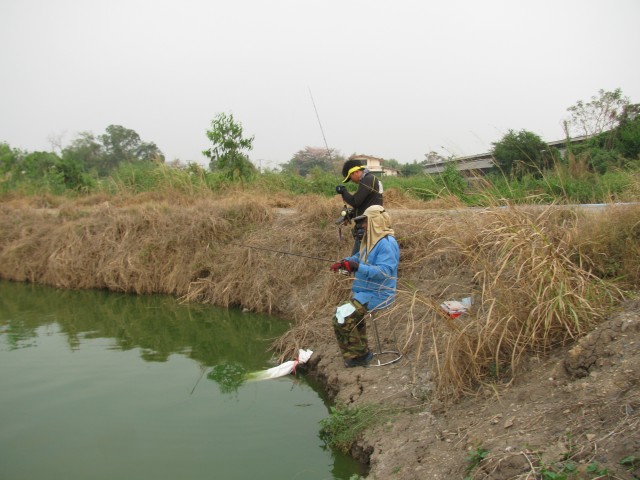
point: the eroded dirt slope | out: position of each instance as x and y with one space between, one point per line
576 412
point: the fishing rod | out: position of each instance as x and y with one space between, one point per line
325 138
203 370
320 123
284 253
344 215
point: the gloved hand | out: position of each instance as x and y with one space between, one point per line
348 265
337 266
340 189
351 265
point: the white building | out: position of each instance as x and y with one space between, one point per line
374 164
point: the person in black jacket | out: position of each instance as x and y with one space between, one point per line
369 193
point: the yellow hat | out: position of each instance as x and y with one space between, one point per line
349 167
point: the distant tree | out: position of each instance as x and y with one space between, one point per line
9 158
120 145
409 169
602 113
521 152
124 145
86 151
73 175
391 163
304 161
58 173
37 165
55 140
226 155
627 140
149 152
618 148
116 146
433 157
453 180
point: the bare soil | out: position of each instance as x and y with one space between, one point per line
574 413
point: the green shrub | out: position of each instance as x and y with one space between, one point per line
341 429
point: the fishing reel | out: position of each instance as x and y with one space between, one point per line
344 271
346 216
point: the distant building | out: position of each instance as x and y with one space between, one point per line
374 165
483 162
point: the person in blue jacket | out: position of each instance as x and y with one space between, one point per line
375 267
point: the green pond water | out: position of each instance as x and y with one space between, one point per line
97 385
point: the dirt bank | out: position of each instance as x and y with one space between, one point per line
537 380
574 412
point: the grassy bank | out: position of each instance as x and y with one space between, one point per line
539 276
567 183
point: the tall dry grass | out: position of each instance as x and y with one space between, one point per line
532 275
539 276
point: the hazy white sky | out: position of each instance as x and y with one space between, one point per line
389 79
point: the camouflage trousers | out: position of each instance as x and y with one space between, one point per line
352 334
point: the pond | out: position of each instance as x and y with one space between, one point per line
102 385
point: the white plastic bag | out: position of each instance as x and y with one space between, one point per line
284 368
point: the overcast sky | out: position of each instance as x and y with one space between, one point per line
390 79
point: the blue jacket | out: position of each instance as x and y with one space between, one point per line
375 281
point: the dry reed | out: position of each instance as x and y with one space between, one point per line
535 274
532 286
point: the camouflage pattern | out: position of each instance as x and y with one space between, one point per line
352 334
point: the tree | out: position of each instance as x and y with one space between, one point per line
602 113
615 148
86 151
409 169
46 168
433 157
149 152
120 145
73 174
453 180
627 140
304 161
521 152
124 145
37 165
9 158
392 163
228 143
104 153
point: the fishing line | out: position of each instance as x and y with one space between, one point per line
284 253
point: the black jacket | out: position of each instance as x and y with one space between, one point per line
369 193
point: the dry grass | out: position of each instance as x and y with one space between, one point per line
536 275
612 242
531 280
395 198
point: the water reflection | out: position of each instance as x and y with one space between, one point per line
228 376
157 325
102 385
